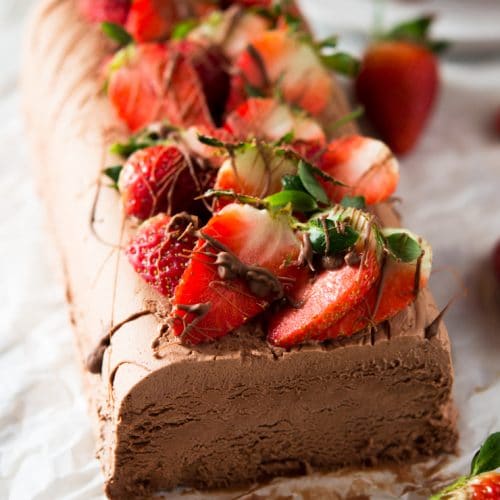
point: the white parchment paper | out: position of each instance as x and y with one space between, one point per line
451 191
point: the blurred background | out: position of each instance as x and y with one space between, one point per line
450 191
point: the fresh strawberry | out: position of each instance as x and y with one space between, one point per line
243 262
254 169
154 20
231 30
397 289
211 66
366 166
496 261
153 82
398 83
321 302
98 11
485 487
158 179
280 60
160 250
269 120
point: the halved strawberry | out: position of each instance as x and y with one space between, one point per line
397 289
280 60
321 302
160 250
231 30
160 178
153 20
367 166
98 11
267 119
153 82
243 262
254 169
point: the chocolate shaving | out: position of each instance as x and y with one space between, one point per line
432 329
255 55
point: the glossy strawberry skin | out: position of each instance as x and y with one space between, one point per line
398 85
98 11
153 176
485 487
258 240
159 252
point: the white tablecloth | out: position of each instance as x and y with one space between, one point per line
451 191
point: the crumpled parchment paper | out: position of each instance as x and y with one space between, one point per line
450 191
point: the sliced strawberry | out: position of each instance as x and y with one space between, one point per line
236 275
160 250
211 66
152 82
365 165
254 170
154 20
395 291
98 11
321 302
269 120
231 30
157 179
280 60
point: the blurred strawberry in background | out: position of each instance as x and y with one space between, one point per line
398 83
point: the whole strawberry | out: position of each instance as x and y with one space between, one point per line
160 250
398 84
97 11
159 179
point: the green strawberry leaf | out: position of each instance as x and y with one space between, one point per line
298 200
488 456
311 184
227 193
328 43
292 183
349 117
286 139
415 29
328 237
403 247
354 201
114 174
252 91
211 141
182 29
342 63
117 33
462 481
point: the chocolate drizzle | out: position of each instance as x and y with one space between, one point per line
94 360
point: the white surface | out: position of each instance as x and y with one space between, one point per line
450 187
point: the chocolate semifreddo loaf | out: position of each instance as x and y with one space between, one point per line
226 413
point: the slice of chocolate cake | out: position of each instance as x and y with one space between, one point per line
230 412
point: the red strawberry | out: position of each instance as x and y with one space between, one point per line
485 487
231 30
211 66
153 20
157 179
269 120
98 11
398 85
235 275
280 60
365 165
255 170
160 250
151 82
323 301
394 292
